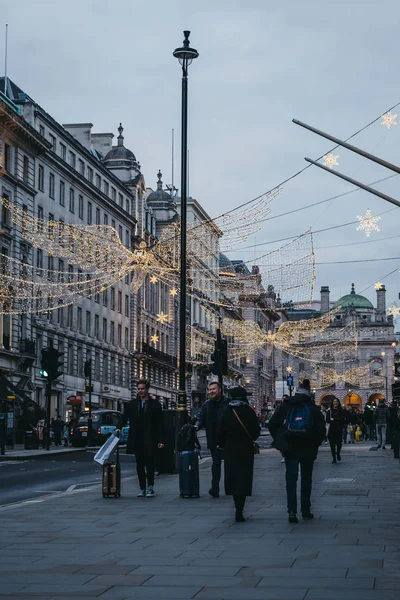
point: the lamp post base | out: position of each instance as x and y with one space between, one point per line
182 401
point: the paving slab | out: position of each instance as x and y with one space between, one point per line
169 548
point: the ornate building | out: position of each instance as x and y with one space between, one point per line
358 379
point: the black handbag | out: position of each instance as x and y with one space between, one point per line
256 447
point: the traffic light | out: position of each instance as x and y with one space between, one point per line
224 356
51 363
88 368
216 359
220 358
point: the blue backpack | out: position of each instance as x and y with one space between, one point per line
299 422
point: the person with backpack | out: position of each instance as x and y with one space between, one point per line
335 420
298 429
209 418
237 431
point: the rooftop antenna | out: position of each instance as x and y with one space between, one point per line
5 62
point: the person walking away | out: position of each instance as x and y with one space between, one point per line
352 422
394 420
145 436
381 421
58 428
335 420
40 426
237 431
66 435
298 429
209 417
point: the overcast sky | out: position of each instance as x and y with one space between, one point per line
333 65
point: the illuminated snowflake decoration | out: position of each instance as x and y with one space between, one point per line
330 160
153 279
154 339
389 120
368 223
378 285
173 292
394 310
162 317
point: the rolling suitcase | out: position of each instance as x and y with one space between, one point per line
112 478
189 474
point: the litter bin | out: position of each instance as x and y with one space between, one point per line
31 439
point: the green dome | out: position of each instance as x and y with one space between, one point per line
354 300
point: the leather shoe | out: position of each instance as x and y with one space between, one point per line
293 518
307 516
239 518
213 492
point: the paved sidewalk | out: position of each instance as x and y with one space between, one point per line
19 452
79 545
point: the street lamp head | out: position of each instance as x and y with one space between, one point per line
185 54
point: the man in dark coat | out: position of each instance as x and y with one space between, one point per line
237 441
298 449
145 435
394 422
209 417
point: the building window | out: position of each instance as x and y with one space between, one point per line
126 338
39 258
79 319
53 142
113 223
81 166
119 335
88 323
62 193
72 159
25 174
63 151
105 368
113 194
112 298
127 239
51 185
96 326
105 219
126 305
96 366
70 359
97 216
112 332
41 130
112 369
120 302
120 232
98 181
71 200
70 312
127 206
70 273
106 188
79 360
121 200
90 174
120 373
40 217
80 206
104 330
89 213
41 178
105 298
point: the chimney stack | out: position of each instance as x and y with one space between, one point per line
381 300
325 299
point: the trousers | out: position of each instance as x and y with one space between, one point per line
336 447
144 468
239 501
292 474
396 443
216 455
381 434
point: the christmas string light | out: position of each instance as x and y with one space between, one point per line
368 223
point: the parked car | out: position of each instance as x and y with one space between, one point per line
104 422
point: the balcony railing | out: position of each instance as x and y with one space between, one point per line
158 355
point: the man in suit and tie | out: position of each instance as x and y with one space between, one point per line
145 435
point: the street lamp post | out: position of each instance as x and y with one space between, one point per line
185 55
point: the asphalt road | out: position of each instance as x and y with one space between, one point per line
29 479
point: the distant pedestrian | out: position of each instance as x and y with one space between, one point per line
66 435
40 426
335 420
237 431
369 421
381 421
394 421
209 417
58 428
352 422
145 435
298 429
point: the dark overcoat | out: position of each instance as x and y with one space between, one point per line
153 425
238 447
210 417
335 418
300 448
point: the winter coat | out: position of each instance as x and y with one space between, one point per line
381 414
335 418
145 429
298 447
209 417
394 417
238 447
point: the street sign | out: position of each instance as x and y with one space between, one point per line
289 381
